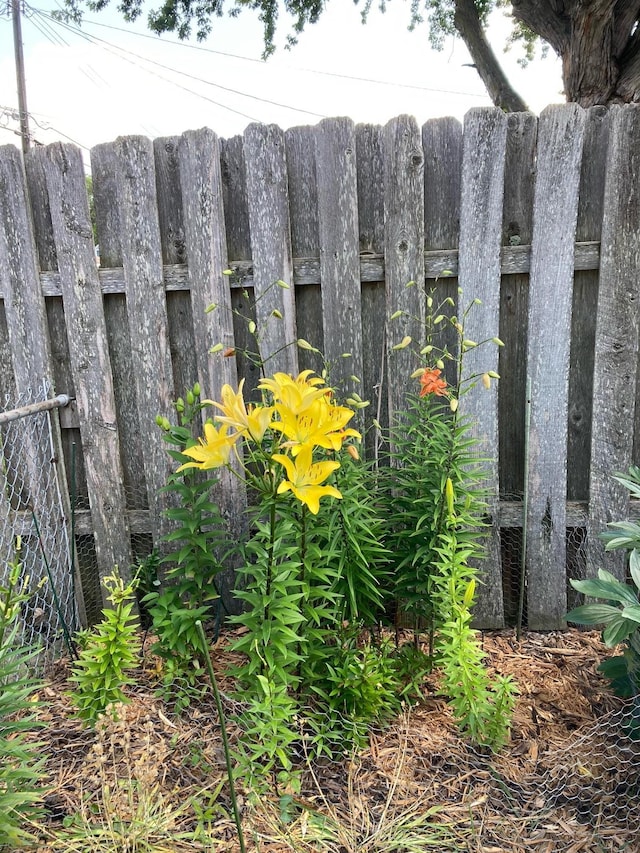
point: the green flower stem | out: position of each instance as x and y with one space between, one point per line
223 731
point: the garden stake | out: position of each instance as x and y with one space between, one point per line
525 505
56 600
223 731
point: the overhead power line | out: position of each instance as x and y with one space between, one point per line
318 71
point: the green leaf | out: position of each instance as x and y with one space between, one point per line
593 614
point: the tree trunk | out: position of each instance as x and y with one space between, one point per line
596 41
467 23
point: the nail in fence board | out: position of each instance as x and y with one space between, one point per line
265 161
404 252
146 312
339 259
89 355
560 139
484 149
616 345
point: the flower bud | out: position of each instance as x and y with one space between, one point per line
486 380
229 352
252 327
453 404
403 343
275 313
305 345
190 398
283 284
210 307
396 314
498 342
216 348
179 404
352 450
196 389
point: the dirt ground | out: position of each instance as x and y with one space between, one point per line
569 780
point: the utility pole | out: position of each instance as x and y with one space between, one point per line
22 86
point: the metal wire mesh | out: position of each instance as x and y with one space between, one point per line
33 525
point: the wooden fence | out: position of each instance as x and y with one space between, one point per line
537 218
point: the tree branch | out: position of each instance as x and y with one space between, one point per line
548 18
467 23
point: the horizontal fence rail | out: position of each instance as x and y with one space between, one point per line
535 217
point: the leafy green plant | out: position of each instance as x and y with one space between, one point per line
192 563
430 445
109 652
618 610
21 771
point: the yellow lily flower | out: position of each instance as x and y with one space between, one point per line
253 421
320 425
213 451
296 394
305 478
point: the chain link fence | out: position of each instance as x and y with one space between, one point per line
34 521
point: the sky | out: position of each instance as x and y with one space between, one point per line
110 78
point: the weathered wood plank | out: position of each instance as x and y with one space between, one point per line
517 228
616 344
585 304
404 251
484 149
560 138
370 178
32 364
442 146
264 154
305 243
104 170
517 225
170 218
339 262
146 311
204 234
514 260
370 170
89 354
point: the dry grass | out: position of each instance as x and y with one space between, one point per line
568 782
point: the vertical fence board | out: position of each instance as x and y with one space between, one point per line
170 218
305 243
206 252
616 345
517 227
146 311
264 152
370 177
517 223
370 169
403 252
442 145
89 354
339 259
585 305
104 169
485 139
560 138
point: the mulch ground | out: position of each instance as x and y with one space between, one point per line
568 781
